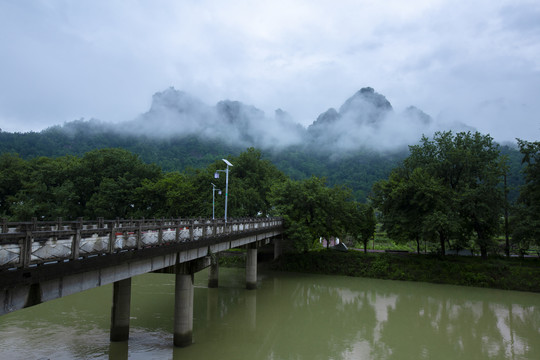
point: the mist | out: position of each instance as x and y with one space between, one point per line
175 113
365 121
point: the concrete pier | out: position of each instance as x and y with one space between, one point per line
121 310
278 247
213 275
251 268
183 306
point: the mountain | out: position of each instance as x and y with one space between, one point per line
175 113
366 120
355 146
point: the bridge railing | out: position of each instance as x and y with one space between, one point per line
27 244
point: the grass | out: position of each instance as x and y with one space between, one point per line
382 242
497 272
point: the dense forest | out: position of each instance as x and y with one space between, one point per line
357 169
448 191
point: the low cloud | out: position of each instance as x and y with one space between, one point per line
366 120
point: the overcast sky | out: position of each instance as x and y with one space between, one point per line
475 61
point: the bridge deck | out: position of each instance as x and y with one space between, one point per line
59 258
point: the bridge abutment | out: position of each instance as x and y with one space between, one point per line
121 310
183 305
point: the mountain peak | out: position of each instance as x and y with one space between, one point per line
366 100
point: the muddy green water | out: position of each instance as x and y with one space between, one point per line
290 316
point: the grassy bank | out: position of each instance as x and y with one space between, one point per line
500 273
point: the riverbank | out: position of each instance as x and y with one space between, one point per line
521 274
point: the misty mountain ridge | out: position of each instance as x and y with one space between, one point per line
354 146
366 120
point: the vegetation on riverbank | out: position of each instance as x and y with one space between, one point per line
521 274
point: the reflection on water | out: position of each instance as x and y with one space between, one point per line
290 316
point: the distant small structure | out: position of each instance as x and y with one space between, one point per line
340 247
325 243
462 252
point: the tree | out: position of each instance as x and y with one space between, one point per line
107 180
47 190
13 174
311 210
250 181
526 219
447 186
414 206
362 222
173 195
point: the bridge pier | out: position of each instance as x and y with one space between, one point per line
278 247
183 305
251 267
121 310
213 275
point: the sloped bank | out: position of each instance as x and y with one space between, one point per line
521 274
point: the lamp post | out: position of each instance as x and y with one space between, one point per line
216 176
214 189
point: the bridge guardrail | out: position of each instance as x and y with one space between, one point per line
27 244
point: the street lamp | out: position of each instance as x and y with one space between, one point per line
216 176
214 189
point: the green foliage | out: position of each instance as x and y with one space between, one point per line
361 222
101 183
448 187
357 170
311 210
500 273
114 183
526 219
252 178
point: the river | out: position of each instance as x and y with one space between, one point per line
289 316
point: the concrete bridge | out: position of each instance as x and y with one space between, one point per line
42 261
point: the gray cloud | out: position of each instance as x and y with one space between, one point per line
473 62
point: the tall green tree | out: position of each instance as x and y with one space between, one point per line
13 173
311 210
448 186
415 206
107 180
47 190
250 182
526 219
173 195
361 222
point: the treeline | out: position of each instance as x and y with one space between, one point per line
113 183
358 169
453 190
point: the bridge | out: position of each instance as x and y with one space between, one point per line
42 261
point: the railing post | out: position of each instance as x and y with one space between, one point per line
26 251
191 235
112 237
4 225
177 233
139 235
76 244
160 233
204 230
